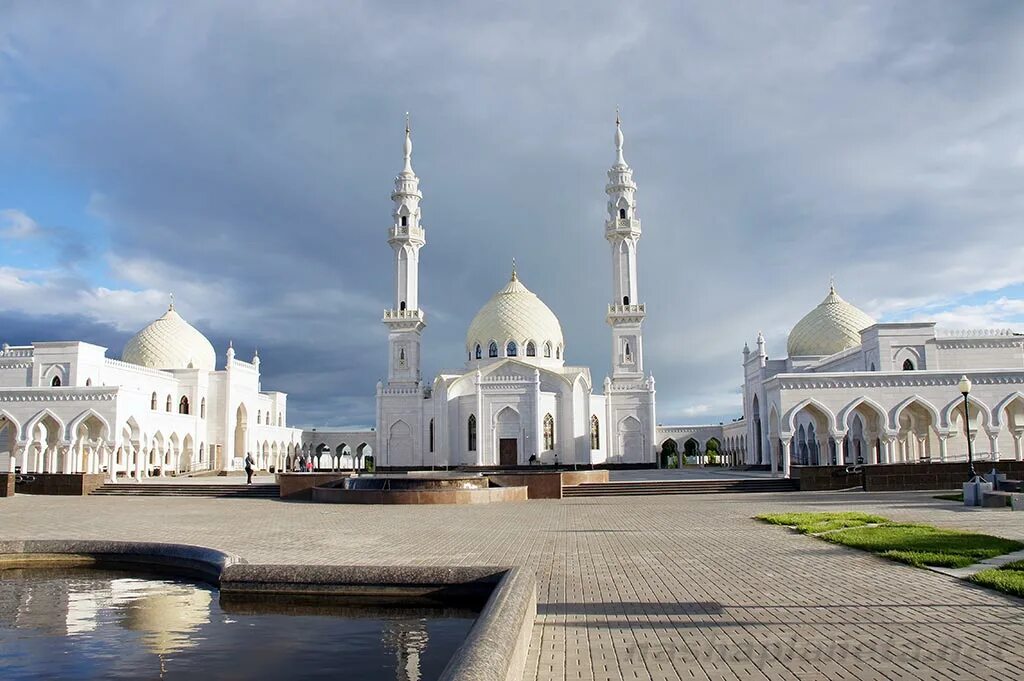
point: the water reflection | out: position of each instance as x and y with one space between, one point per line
100 624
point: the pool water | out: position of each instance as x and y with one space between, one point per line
91 624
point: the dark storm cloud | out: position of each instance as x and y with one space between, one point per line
242 155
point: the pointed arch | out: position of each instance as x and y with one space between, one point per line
39 416
812 403
847 413
87 414
471 433
549 432
983 411
479 352
998 419
595 432
531 349
894 416
492 349
13 422
183 406
152 401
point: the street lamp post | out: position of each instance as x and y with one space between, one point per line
965 390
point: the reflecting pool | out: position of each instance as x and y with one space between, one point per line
82 623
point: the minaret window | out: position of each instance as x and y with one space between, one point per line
479 351
622 213
259 418
625 300
471 432
431 435
549 432
510 349
401 305
202 409
168 404
595 432
152 402
405 221
558 352
183 405
908 365
547 349
492 351
55 382
531 349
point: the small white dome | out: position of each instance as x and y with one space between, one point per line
832 327
170 343
516 314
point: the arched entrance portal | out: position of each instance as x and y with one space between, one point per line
506 431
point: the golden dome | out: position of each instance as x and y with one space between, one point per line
833 326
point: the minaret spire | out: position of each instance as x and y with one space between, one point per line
619 139
408 146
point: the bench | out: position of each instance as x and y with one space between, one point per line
999 499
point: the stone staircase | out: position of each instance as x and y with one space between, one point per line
170 489
630 488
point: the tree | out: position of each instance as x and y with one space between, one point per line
712 450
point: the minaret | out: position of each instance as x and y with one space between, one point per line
622 230
406 236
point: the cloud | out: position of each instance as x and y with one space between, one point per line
247 167
15 224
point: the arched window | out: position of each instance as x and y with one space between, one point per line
152 402
431 435
558 352
183 405
280 419
625 300
471 432
88 383
627 353
595 432
622 213
268 421
510 349
549 432
401 305
908 365
405 221
547 349
259 417
492 350
479 351
531 349
168 409
55 382
202 409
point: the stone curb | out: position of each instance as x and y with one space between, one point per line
494 650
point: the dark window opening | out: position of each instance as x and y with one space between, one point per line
55 382
625 300
401 305
405 221
908 365
622 213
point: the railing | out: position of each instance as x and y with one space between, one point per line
639 308
17 351
399 232
973 333
403 314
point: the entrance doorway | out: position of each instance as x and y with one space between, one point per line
508 451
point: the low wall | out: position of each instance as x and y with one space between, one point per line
299 486
6 484
898 476
580 477
337 495
538 485
60 484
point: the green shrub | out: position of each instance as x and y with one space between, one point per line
814 523
1007 581
923 539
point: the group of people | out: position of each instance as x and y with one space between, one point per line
301 463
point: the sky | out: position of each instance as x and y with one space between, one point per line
242 154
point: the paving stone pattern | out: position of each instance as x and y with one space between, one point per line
676 587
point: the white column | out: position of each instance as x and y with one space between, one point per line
1017 453
943 454
922 443
993 439
773 455
785 458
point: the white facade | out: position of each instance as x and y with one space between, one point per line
862 392
515 401
65 407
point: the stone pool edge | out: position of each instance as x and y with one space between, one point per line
494 650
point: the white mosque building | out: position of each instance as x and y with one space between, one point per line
163 408
855 391
515 401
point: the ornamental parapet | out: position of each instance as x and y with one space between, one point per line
414 391
407 315
622 228
900 379
16 351
411 233
48 394
137 368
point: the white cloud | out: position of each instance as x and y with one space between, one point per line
15 224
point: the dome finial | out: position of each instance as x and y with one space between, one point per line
832 284
408 145
515 277
171 307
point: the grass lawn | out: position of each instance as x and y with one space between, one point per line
956 496
815 523
917 545
1008 579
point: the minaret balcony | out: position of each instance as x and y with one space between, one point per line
408 233
627 313
404 320
622 228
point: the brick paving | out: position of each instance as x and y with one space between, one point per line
674 587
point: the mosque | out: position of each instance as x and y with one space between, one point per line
850 390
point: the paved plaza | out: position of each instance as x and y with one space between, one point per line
669 587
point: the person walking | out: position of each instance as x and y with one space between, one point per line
249 463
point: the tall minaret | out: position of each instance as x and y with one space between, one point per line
405 320
622 230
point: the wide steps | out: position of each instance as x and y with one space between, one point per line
127 489
655 487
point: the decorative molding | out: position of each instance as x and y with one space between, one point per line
48 394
